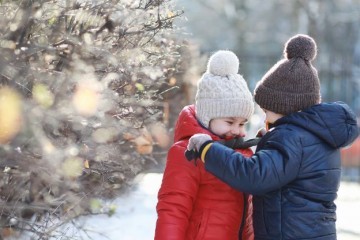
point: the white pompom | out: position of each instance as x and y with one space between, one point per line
223 63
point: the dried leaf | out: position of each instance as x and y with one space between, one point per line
139 87
10 114
103 135
72 167
128 136
112 210
86 164
144 143
95 205
86 100
7 44
144 149
172 81
8 232
42 95
160 135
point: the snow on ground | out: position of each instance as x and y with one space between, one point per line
136 216
348 211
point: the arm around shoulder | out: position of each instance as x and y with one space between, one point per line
276 164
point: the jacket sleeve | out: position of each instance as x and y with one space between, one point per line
176 196
270 168
248 232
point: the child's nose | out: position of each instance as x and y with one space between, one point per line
236 131
242 133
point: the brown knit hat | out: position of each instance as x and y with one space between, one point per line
292 84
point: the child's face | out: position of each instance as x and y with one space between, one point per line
271 117
228 127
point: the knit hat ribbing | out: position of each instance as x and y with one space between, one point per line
221 91
292 84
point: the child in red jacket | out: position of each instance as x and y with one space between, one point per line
192 203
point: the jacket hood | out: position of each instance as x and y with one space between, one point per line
188 125
334 123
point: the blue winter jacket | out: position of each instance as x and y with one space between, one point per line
294 174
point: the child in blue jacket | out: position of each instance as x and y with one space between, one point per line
295 173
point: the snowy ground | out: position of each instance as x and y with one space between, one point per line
135 217
348 211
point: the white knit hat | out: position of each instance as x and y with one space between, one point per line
222 92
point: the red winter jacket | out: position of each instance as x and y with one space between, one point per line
192 203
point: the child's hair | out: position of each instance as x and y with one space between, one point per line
292 84
222 92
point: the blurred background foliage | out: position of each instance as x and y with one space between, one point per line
257 30
84 104
90 90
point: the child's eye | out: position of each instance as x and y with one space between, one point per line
229 122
